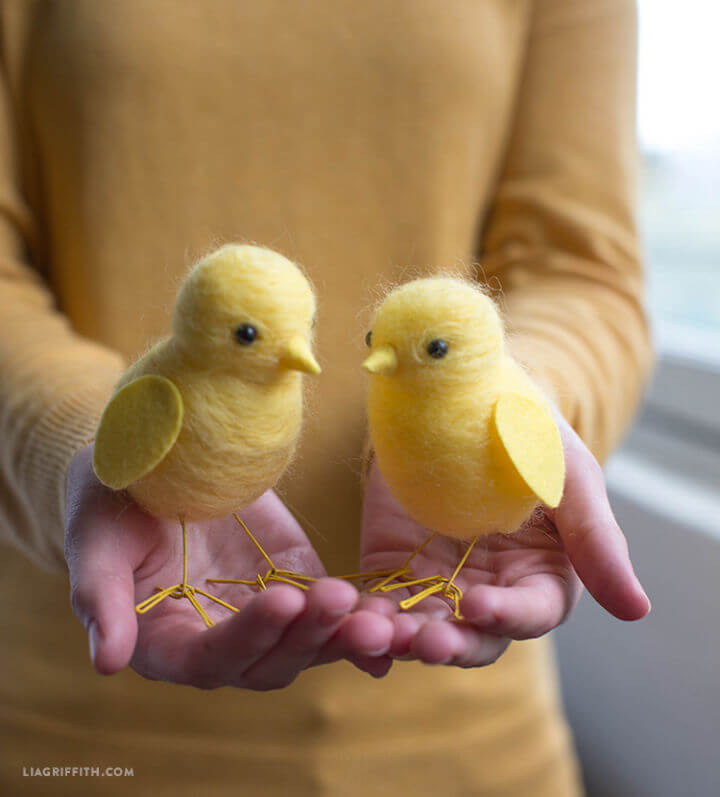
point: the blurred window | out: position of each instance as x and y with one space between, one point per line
679 132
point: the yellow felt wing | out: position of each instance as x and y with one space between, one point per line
532 441
138 427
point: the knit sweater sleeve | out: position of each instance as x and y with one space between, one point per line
560 237
53 383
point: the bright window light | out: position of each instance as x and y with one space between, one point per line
679 133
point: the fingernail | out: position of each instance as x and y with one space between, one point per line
649 602
411 624
379 652
331 616
93 638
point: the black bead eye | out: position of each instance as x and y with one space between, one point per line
437 348
245 334
368 339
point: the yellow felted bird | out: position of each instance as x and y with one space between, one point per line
464 438
207 420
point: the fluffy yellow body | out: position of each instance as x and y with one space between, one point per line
465 440
236 439
443 459
207 420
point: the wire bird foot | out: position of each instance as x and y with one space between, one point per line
183 590
178 592
402 578
299 580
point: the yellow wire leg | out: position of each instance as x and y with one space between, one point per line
183 590
411 582
273 574
388 576
434 584
368 576
408 603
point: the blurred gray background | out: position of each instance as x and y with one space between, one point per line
644 698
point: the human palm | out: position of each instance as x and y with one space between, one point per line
514 586
118 555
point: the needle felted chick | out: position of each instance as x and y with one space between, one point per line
464 438
207 420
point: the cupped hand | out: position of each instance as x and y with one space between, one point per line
516 586
117 555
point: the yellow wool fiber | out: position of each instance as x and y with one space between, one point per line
465 439
240 401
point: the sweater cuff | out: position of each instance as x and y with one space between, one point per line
61 431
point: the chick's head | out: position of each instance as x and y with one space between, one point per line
431 328
247 308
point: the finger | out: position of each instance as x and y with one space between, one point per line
378 604
444 642
221 655
527 610
102 595
375 666
407 624
328 601
366 633
594 542
361 634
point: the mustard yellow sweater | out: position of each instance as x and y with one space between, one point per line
360 138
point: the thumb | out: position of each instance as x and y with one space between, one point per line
102 588
592 538
102 595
